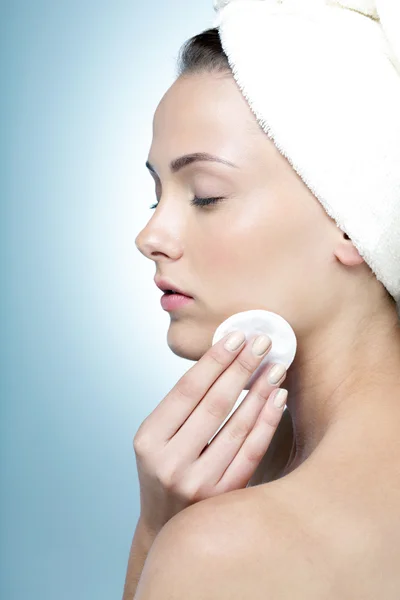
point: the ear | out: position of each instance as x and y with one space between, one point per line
347 253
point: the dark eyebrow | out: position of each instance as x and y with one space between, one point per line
187 159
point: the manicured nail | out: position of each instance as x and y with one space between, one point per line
261 344
235 340
276 374
280 398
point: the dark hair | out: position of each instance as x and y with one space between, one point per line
203 53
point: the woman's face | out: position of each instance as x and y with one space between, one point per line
266 245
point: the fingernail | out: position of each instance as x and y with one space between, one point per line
280 398
261 344
276 374
235 340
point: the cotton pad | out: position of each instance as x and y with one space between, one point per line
254 322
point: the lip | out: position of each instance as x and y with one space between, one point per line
171 302
165 284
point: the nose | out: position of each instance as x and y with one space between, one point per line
163 233
154 244
144 244
138 242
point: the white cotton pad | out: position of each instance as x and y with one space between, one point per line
251 322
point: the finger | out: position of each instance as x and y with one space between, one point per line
216 405
173 410
225 446
243 466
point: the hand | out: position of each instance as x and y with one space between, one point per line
177 466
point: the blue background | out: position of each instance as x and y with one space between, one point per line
82 330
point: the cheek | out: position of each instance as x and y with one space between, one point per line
264 233
255 235
234 248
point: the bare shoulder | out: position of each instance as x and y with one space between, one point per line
264 542
216 549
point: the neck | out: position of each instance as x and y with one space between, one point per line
342 371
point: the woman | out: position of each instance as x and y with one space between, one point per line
325 523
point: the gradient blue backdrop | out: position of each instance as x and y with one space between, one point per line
82 330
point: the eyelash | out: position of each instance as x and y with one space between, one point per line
197 202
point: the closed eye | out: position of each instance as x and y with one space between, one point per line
197 202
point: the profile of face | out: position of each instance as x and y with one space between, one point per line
266 244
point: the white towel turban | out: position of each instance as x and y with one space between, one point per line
323 80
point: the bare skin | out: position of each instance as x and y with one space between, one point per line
269 244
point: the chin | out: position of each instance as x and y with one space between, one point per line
189 354
191 345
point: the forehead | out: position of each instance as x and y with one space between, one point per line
202 112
